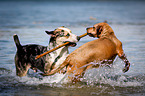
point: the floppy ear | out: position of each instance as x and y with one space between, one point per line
99 29
51 33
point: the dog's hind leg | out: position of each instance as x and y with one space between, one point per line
75 74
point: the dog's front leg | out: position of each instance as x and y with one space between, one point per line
123 57
127 64
47 68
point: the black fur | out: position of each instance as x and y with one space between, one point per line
26 55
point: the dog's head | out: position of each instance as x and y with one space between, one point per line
100 30
62 35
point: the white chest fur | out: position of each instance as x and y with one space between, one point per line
57 57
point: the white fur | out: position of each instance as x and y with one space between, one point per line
62 52
66 29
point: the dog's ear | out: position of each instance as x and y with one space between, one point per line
51 33
63 26
99 29
105 21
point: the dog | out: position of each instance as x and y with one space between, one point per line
101 51
25 55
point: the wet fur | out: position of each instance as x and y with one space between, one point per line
102 51
25 55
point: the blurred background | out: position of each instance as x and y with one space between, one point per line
29 19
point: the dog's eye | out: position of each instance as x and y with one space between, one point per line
68 34
94 28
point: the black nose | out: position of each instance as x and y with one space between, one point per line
78 38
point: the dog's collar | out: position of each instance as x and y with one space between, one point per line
66 29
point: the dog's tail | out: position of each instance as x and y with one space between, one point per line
17 42
65 63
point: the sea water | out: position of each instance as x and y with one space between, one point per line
30 19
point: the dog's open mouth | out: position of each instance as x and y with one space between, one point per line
91 35
72 44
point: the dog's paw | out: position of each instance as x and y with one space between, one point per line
125 69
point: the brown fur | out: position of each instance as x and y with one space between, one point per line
102 51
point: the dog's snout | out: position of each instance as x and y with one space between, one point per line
87 28
91 35
78 38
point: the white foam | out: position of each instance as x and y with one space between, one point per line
57 78
104 75
112 75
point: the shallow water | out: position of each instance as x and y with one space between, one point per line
29 20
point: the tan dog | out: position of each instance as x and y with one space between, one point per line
101 51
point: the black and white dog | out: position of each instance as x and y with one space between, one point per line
25 56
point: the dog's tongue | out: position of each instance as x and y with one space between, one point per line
72 44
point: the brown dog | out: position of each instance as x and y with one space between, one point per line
101 51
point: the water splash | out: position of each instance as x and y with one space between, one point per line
112 76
